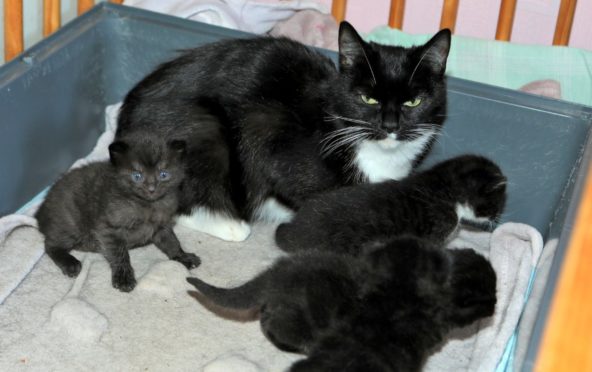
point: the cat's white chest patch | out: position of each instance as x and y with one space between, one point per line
389 158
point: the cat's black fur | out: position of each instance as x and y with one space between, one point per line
101 208
264 117
382 311
353 218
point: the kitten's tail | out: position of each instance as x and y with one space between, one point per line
246 296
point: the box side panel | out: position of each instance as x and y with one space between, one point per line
535 314
51 105
142 42
538 150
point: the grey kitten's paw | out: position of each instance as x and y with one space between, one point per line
69 264
72 269
123 280
189 260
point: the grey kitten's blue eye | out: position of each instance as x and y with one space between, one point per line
137 176
164 175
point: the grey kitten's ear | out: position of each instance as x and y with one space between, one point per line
117 151
178 146
435 51
350 45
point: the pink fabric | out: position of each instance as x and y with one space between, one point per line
547 88
309 27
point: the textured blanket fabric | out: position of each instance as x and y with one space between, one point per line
513 250
52 322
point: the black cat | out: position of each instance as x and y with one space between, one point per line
110 207
428 204
388 308
270 122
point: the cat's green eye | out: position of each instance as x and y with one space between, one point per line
369 100
412 103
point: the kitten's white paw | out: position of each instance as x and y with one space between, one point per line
216 224
466 212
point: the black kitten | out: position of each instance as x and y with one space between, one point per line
394 304
270 122
425 293
110 207
429 204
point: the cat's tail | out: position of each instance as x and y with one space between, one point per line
246 296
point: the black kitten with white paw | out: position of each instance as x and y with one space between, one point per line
428 204
111 207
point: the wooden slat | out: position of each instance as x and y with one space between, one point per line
116 1
396 14
564 22
505 20
338 9
51 16
13 28
567 339
84 5
449 12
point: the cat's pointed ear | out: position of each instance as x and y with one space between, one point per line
435 51
117 151
178 146
350 45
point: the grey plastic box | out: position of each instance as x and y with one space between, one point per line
53 96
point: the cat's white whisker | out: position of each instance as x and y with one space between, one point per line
342 143
369 65
343 139
352 120
419 63
340 133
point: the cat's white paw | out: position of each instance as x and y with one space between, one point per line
271 210
230 230
216 224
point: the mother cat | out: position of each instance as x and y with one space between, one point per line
270 122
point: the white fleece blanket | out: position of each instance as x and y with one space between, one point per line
51 322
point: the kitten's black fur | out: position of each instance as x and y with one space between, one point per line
101 208
382 311
271 118
353 218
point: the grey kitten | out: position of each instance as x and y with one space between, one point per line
111 207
